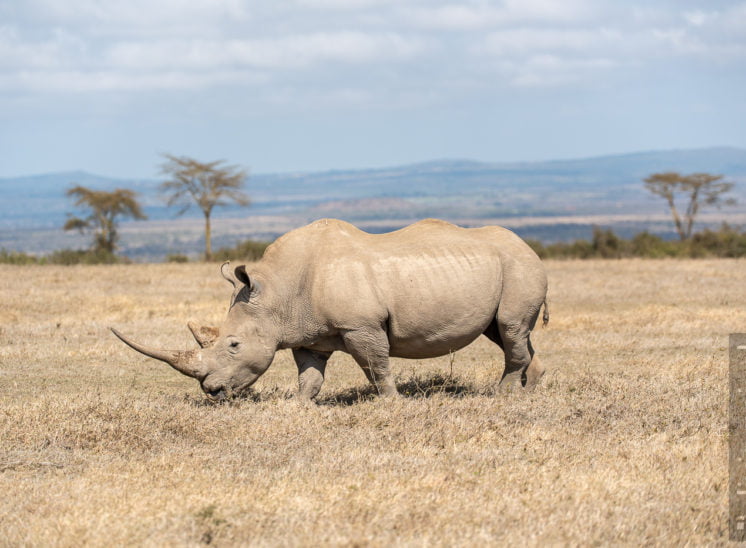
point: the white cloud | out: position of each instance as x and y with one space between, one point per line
553 71
697 18
676 39
550 10
455 17
59 48
134 13
149 63
343 5
73 81
277 54
485 15
527 40
341 46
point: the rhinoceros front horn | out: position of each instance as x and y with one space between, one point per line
187 362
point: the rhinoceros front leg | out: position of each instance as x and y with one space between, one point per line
311 367
370 349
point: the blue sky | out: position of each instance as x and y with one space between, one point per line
106 86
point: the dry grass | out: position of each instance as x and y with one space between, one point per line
625 441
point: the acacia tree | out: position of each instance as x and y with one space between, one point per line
696 190
205 184
104 210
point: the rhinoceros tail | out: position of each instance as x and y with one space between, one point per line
545 317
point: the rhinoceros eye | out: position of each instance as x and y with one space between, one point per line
234 344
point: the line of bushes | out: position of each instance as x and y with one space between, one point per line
62 257
248 250
605 244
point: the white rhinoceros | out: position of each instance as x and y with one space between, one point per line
420 292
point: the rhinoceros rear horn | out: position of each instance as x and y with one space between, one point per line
204 335
187 362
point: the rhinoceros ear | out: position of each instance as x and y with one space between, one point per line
227 274
242 276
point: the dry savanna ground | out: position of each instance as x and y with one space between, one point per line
624 442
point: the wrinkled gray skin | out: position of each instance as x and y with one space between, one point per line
420 292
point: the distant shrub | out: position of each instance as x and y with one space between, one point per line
726 242
177 258
649 245
607 245
579 249
537 246
248 250
78 256
17 257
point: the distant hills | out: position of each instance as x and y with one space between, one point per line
563 198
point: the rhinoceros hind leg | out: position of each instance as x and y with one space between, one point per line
311 367
522 368
370 349
534 372
516 373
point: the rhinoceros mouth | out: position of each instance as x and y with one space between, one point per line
222 395
217 395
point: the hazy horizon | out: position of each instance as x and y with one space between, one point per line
363 168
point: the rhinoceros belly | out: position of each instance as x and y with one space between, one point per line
438 304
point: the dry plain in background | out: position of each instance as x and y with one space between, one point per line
624 442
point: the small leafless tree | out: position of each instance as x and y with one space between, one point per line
104 210
696 190
205 184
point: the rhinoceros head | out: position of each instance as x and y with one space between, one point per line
232 357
